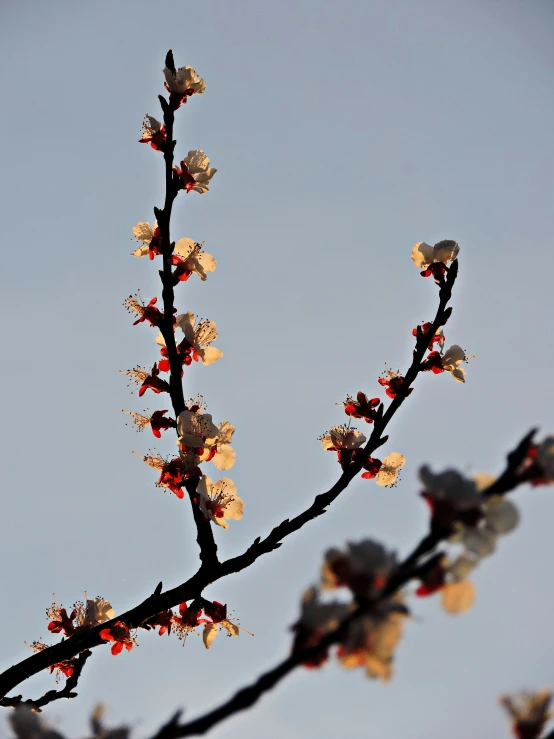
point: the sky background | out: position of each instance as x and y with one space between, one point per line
343 133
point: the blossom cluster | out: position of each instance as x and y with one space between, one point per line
374 620
82 617
211 616
466 515
199 439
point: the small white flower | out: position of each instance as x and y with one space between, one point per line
224 455
97 611
219 501
184 82
458 597
149 237
196 429
198 336
423 255
195 171
390 468
451 360
342 437
194 259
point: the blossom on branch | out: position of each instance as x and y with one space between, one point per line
364 568
393 382
59 620
153 133
433 259
372 638
150 238
316 620
181 84
362 407
65 668
528 712
134 304
140 376
219 501
473 519
196 344
451 360
187 620
189 258
437 338
173 473
156 421
195 172
389 469
200 440
457 593
121 637
340 438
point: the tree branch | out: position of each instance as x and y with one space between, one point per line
211 569
52 695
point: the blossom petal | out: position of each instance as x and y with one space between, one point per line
184 247
422 254
458 597
445 251
143 231
142 251
225 457
501 515
209 634
210 354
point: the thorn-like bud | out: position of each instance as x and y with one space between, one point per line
169 62
163 104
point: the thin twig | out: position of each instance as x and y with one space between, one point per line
52 695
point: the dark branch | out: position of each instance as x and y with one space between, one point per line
52 695
211 569
247 697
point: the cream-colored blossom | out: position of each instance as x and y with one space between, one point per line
184 81
342 437
388 472
196 171
451 361
194 259
219 500
423 255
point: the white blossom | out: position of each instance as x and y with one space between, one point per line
388 472
145 234
199 336
211 631
184 82
342 437
423 255
196 171
451 360
195 429
194 259
218 501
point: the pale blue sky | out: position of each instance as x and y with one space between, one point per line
343 133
